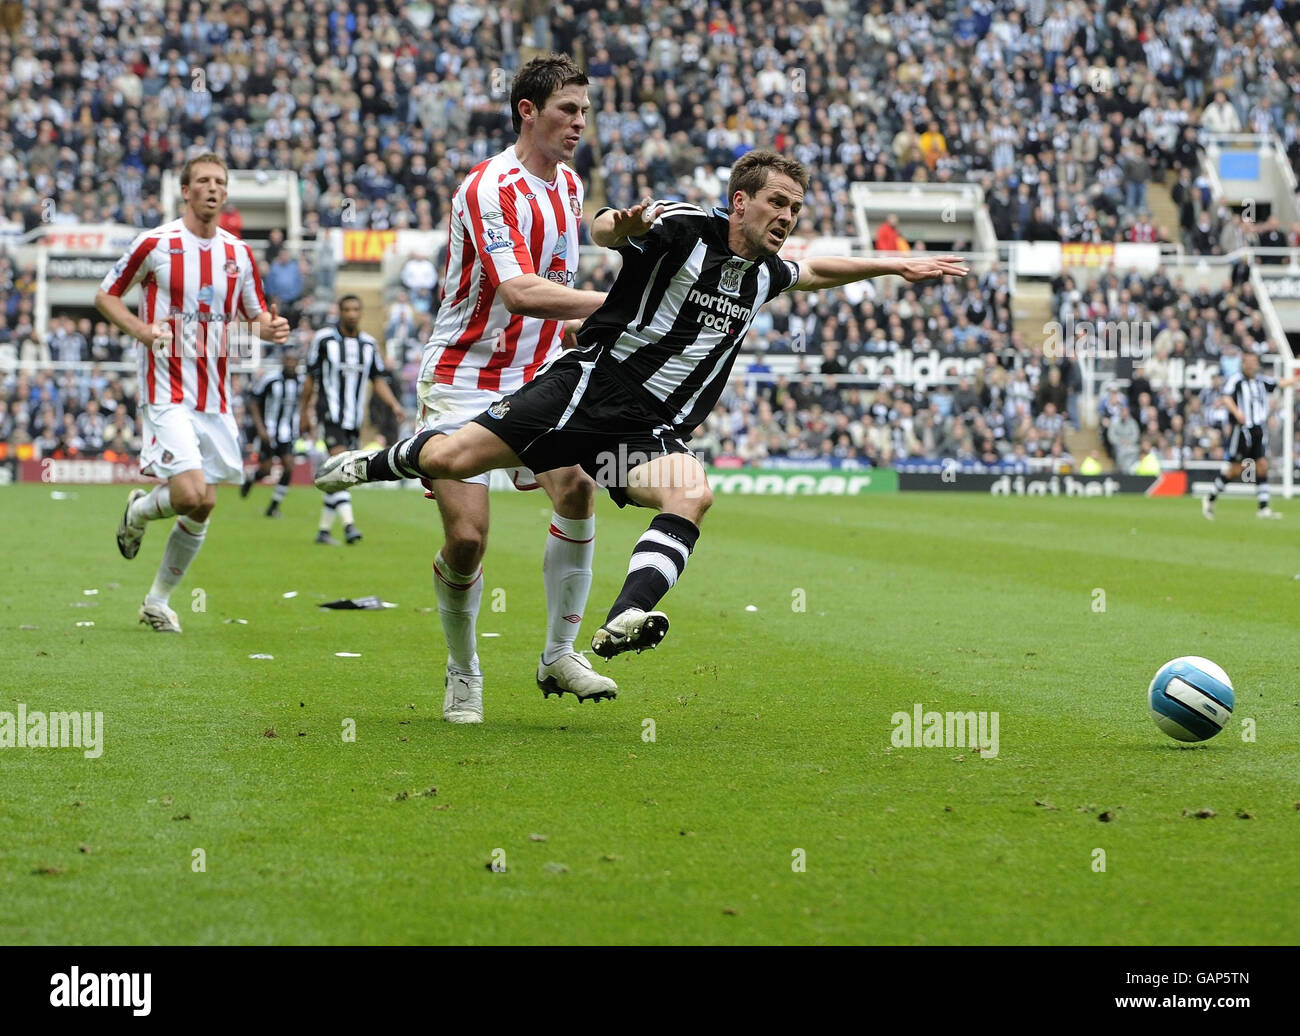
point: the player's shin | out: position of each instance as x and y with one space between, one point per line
155 504
328 511
183 545
658 560
566 574
282 487
344 503
459 596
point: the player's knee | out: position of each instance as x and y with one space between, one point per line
575 495
202 511
186 498
698 500
465 547
441 457
690 502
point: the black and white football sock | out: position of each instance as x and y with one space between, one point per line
401 460
1262 495
1219 486
328 511
343 503
658 560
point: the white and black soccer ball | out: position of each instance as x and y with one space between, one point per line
1191 698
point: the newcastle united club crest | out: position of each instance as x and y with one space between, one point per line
729 280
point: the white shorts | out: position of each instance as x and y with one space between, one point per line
445 408
178 439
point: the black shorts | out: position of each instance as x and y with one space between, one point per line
268 448
574 412
1247 444
336 435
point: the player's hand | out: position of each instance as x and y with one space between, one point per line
1246 437
636 221
399 411
158 337
570 339
930 267
279 326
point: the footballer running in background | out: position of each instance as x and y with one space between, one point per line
1245 397
650 365
342 360
274 404
196 279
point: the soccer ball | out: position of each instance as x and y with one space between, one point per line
1191 698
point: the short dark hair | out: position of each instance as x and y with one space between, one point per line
207 158
349 298
751 171
540 78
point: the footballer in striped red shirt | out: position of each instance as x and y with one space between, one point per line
196 281
507 292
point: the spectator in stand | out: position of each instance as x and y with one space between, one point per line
284 284
1123 436
231 220
420 279
1220 116
888 238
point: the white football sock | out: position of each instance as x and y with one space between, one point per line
327 513
149 508
459 596
345 507
281 491
182 547
566 573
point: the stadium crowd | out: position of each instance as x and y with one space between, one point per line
1073 107
1166 326
1063 112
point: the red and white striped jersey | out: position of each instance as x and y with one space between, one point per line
201 285
504 223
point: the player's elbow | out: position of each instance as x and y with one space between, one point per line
514 296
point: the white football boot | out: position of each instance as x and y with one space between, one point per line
343 471
1207 508
130 536
1267 512
463 702
160 617
573 673
630 630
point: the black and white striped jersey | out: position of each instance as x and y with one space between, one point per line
341 365
279 397
678 310
1251 395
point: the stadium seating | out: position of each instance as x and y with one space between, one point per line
383 109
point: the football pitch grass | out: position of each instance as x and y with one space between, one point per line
772 732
